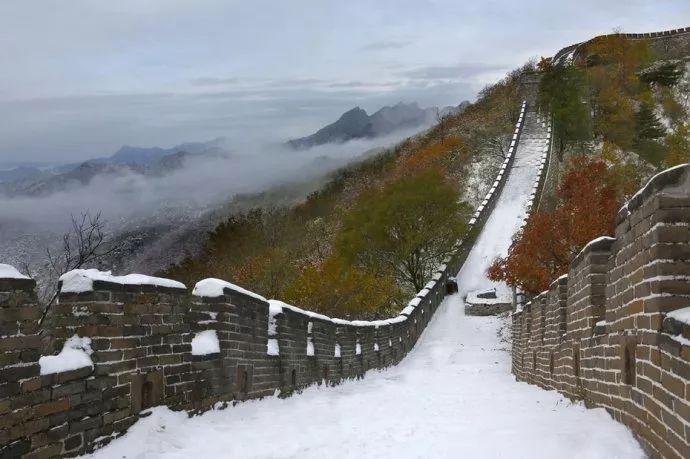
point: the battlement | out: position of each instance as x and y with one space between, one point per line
614 331
125 347
669 43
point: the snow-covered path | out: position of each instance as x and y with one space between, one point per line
510 209
452 396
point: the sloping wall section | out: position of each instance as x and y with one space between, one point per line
615 331
669 43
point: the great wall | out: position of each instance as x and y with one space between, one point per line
606 333
671 43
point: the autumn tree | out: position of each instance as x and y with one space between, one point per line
336 288
612 66
588 199
448 155
406 228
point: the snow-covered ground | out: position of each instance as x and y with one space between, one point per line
452 396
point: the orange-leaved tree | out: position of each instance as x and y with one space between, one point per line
336 288
589 196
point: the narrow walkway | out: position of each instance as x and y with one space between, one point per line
453 396
510 210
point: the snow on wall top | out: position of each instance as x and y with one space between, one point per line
10 272
653 183
81 280
213 288
589 245
276 307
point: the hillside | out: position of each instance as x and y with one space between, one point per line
621 113
328 252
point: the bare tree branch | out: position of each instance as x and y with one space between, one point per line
84 244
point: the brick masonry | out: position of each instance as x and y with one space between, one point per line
142 355
601 333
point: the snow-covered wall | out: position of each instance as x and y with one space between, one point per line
129 343
615 331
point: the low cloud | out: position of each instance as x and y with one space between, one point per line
203 183
458 71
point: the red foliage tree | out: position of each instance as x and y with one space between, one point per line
589 197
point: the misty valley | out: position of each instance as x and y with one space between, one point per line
155 202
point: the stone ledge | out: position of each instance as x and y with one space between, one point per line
13 285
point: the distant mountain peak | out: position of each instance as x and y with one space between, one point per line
356 123
355 113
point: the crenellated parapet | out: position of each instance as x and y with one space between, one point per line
124 344
615 331
673 43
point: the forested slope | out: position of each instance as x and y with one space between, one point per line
620 110
374 233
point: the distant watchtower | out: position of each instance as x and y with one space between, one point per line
529 87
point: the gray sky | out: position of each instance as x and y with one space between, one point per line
81 77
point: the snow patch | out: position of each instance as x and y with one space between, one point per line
10 272
488 296
681 315
205 342
272 347
681 339
74 355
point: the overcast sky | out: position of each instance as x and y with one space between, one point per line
80 78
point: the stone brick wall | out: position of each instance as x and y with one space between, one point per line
142 357
668 43
607 332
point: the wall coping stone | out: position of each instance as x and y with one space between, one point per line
600 244
678 175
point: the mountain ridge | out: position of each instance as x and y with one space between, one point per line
357 124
